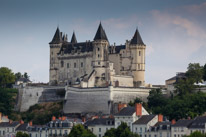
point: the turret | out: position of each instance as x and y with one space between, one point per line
55 46
138 47
73 39
100 56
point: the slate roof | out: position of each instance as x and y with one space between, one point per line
7 124
63 123
57 37
100 121
144 119
100 34
127 111
22 127
183 123
161 126
73 40
23 79
117 48
199 122
137 38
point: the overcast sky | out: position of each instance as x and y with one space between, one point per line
173 30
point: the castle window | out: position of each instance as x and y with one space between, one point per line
52 53
62 64
75 65
82 64
98 49
139 53
138 66
67 65
98 55
98 63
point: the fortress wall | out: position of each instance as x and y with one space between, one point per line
79 100
29 96
125 95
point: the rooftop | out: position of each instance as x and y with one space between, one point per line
127 111
144 119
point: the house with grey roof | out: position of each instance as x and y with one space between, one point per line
8 128
99 126
129 115
142 125
198 124
160 129
181 127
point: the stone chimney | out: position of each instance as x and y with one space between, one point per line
83 119
121 106
160 118
63 118
0 117
138 108
53 118
173 121
21 122
30 123
60 118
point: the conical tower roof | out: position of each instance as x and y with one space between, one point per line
57 37
100 34
73 40
137 38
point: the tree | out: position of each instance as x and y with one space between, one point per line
197 134
204 72
156 101
195 71
7 77
18 75
80 131
26 75
185 86
122 131
20 134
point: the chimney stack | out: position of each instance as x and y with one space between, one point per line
10 121
60 118
160 118
0 117
121 106
138 108
173 121
30 123
63 118
21 122
53 118
83 119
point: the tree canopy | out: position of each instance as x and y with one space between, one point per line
7 77
80 131
122 131
204 72
195 72
21 134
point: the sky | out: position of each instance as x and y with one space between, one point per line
174 31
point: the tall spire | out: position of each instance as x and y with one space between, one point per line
57 37
137 38
100 34
73 40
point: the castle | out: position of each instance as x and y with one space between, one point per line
97 63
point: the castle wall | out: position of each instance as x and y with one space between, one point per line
29 96
80 100
84 100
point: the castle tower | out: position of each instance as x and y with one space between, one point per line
73 39
100 57
138 62
55 46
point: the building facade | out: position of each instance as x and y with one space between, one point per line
97 63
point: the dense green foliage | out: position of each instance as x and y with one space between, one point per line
7 77
80 131
21 134
138 100
204 72
7 100
122 131
18 75
195 72
42 113
196 134
189 105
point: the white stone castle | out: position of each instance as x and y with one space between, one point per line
97 63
